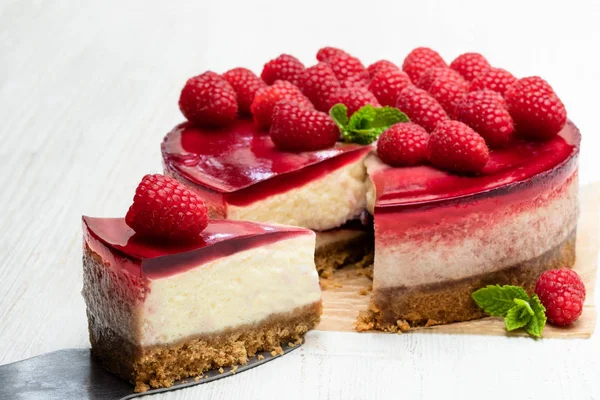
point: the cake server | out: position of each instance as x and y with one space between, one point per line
74 374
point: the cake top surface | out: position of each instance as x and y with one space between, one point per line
221 238
406 186
238 156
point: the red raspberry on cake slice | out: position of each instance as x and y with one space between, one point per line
420 60
344 66
381 65
208 100
245 83
284 68
485 111
266 99
536 110
403 144
354 99
449 92
469 65
443 73
360 80
454 146
421 107
325 53
387 84
164 208
296 128
318 83
496 79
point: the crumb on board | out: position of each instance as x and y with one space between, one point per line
221 370
260 357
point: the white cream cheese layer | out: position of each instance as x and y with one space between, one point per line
320 205
244 288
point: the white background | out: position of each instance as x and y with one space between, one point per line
88 90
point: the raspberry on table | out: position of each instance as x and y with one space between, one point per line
266 98
163 208
562 293
496 79
353 98
403 144
284 68
295 128
469 65
420 60
245 83
387 84
421 108
455 147
536 110
209 100
485 111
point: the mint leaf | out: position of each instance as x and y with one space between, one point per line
388 116
339 114
535 326
524 305
497 300
367 123
516 318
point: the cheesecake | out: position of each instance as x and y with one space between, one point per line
439 236
241 175
161 311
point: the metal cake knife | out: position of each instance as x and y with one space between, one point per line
73 374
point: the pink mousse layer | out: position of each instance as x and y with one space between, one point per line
521 165
117 243
240 165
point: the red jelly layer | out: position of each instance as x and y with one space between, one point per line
153 260
524 162
241 162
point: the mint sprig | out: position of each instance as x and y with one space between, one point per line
512 302
366 124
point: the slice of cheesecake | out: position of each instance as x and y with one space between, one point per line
160 312
241 175
440 236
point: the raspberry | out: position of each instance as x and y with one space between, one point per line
326 53
562 293
469 65
421 108
387 85
536 110
448 92
377 66
164 208
245 83
354 99
344 66
318 83
208 99
420 60
360 80
444 73
296 128
403 144
485 111
283 68
266 98
455 147
496 79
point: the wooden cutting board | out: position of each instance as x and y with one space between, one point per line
347 293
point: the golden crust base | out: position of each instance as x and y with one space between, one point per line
336 255
161 366
400 308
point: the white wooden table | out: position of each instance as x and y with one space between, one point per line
88 89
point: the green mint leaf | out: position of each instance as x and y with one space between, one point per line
366 124
388 116
535 326
339 114
362 119
497 300
516 318
525 305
